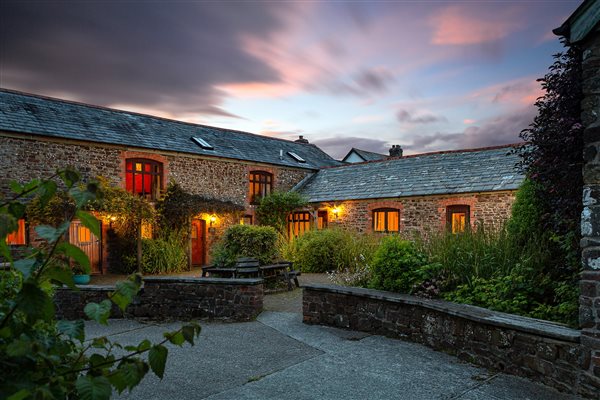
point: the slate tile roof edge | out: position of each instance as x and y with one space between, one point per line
433 153
361 154
79 103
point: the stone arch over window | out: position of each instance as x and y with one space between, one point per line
144 177
379 206
261 185
455 204
458 218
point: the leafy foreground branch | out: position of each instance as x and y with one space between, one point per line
41 357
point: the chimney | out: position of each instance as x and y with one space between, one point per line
396 151
301 140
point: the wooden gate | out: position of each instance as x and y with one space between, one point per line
198 242
83 238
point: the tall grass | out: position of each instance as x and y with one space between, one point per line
477 253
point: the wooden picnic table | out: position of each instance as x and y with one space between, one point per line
247 267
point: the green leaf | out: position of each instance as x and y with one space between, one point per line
118 379
69 176
20 395
188 333
35 303
8 224
25 266
16 209
15 187
74 252
124 293
18 348
143 346
93 387
81 197
98 312
89 221
46 192
132 373
157 357
4 249
60 274
48 232
175 337
73 329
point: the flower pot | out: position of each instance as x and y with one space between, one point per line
81 279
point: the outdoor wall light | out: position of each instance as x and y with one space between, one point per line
212 220
336 212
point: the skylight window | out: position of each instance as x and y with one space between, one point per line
296 157
202 143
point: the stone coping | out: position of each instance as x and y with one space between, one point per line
482 315
176 279
218 281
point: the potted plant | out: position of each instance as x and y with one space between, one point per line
80 275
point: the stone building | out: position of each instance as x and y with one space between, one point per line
416 194
142 154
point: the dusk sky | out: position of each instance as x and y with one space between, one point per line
428 75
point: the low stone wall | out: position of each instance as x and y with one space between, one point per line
163 298
540 350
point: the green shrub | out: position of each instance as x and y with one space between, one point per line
163 255
395 265
332 250
274 209
246 241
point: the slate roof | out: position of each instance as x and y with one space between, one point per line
38 115
464 171
366 155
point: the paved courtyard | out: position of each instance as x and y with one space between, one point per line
278 357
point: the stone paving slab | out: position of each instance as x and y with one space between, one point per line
278 357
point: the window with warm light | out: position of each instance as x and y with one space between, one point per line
386 220
146 230
322 220
246 220
18 237
261 184
84 235
143 177
298 223
457 218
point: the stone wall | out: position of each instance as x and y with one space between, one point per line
24 159
539 350
423 214
166 298
589 302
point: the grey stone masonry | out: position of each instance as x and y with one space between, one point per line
589 301
540 350
169 298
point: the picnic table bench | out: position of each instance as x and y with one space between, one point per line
249 267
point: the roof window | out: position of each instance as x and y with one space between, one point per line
296 157
202 143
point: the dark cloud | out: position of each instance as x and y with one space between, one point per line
161 55
405 116
501 130
365 83
338 147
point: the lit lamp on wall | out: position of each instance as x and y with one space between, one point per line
336 212
212 219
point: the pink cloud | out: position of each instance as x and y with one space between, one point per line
464 25
522 92
468 121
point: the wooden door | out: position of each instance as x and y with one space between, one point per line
91 245
198 242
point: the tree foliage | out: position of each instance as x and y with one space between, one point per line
553 157
178 206
41 357
274 209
